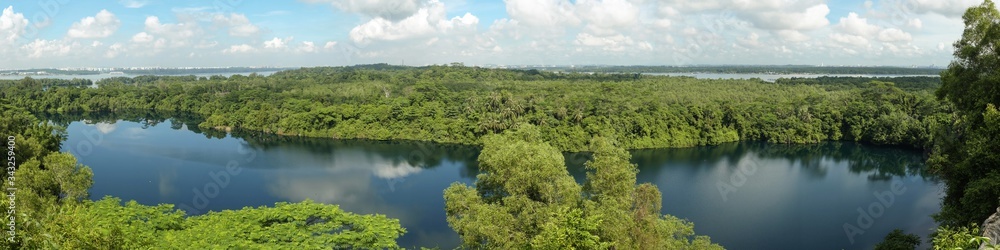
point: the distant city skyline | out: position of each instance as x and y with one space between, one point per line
239 33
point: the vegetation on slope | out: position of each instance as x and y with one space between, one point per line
51 210
525 198
463 104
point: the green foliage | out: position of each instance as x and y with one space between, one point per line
759 69
966 153
457 104
971 79
525 198
897 240
52 210
106 224
303 225
959 238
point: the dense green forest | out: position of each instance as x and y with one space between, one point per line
525 185
52 209
463 104
757 69
967 155
523 119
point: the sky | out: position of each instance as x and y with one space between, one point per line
187 33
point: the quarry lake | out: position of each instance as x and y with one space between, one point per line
835 195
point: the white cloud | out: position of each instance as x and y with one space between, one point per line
393 10
607 16
533 32
752 40
241 48
948 8
206 44
810 18
426 21
133 3
277 43
610 43
114 50
99 26
894 35
855 25
854 40
49 48
142 37
915 23
792 36
178 34
307 47
238 24
12 25
856 31
553 14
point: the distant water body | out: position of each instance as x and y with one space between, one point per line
99 77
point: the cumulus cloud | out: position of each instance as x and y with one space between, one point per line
543 13
810 18
307 47
240 48
948 8
99 26
277 43
114 50
49 48
238 24
610 43
12 25
532 32
428 20
855 30
853 40
606 16
894 35
792 35
855 25
142 37
915 23
393 10
178 33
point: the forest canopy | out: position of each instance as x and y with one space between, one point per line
457 104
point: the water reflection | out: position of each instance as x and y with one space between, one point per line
798 197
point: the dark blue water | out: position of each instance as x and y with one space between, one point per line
743 195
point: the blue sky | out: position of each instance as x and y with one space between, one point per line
67 33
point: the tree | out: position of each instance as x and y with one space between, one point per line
53 212
897 240
971 80
967 153
525 198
